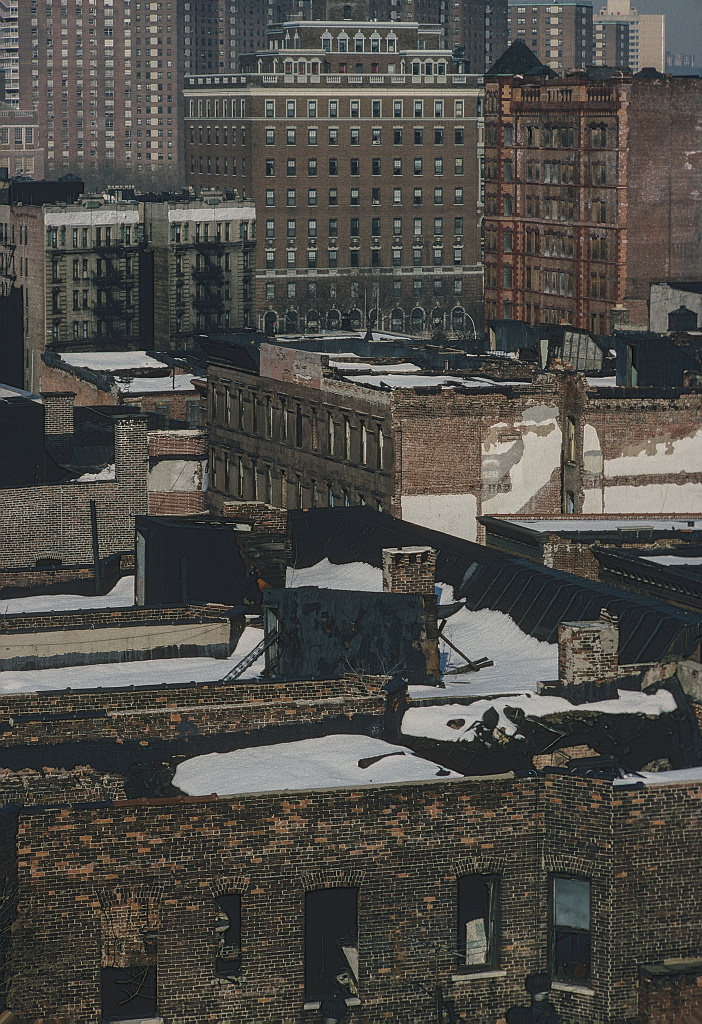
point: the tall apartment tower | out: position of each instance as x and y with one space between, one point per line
559 34
590 191
9 50
218 32
611 43
646 33
106 80
359 143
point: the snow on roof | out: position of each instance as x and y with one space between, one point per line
375 368
348 576
520 661
147 385
106 473
584 524
121 596
601 382
433 722
419 380
672 559
322 763
661 778
113 361
166 671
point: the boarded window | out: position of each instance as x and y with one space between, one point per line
478 903
228 935
128 993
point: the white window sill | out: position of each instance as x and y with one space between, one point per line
578 990
478 975
351 1001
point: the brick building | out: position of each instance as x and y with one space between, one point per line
301 428
560 35
611 44
52 522
107 85
309 848
583 205
359 143
21 149
130 273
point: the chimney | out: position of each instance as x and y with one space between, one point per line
588 663
413 571
58 423
409 570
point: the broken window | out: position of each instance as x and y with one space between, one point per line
570 928
478 905
129 993
331 941
228 935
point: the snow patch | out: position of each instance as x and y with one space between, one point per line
113 361
433 722
121 596
323 763
107 473
662 778
455 514
328 576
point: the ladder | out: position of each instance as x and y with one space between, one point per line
251 657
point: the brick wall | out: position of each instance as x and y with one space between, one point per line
263 518
30 786
403 846
670 994
170 712
54 520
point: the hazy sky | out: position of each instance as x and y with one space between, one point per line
683 23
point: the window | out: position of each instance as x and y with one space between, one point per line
458 196
333 227
270 136
438 196
375 226
355 167
291 229
397 197
270 229
291 197
418 108
290 108
333 108
291 136
375 166
333 197
270 197
354 230
570 928
458 166
330 434
355 197
312 168
397 108
417 229
311 136
570 440
128 992
355 108
438 165
291 167
376 108
270 108
270 167
333 167
458 136
478 921
312 108
417 197
418 136
355 137
228 935
311 196
418 165
375 197
333 136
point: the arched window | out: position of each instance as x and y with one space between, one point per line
458 319
270 322
417 319
397 320
333 319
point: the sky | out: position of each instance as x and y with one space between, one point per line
683 23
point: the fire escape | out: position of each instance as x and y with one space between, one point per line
110 307
208 278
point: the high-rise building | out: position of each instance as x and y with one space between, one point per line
218 32
646 33
106 82
359 143
9 50
559 34
591 191
611 44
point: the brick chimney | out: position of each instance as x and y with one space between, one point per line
413 571
58 423
409 570
588 661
